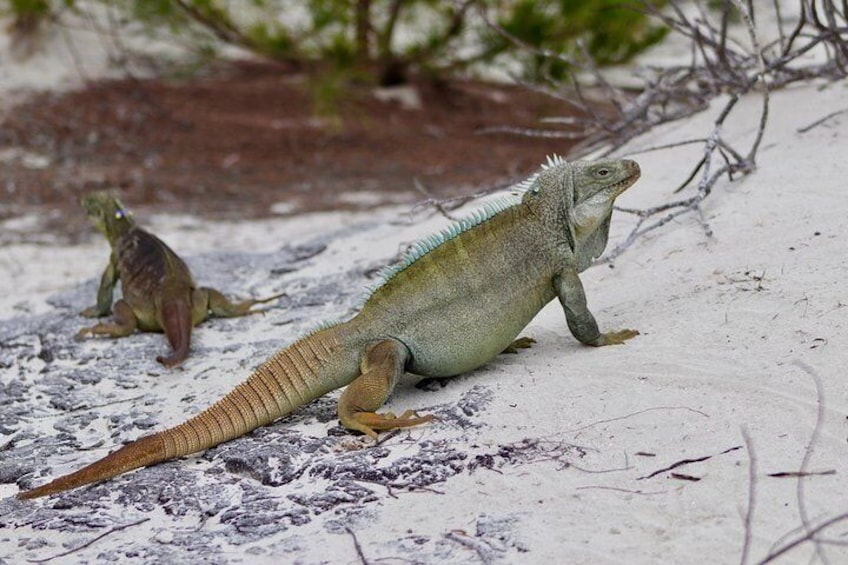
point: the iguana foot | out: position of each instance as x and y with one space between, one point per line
617 337
92 312
370 423
520 343
223 307
80 335
172 360
268 299
381 366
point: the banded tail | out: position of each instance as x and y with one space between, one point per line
291 378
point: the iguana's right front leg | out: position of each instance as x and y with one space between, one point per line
580 320
123 324
383 364
104 293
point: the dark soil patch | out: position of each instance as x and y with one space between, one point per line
248 136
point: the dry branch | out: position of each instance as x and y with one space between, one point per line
719 65
91 542
752 496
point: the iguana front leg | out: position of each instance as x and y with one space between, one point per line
581 322
381 367
104 293
124 323
222 307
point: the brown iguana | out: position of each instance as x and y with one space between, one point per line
159 293
454 302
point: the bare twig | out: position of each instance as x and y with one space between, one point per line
638 412
444 205
752 496
483 549
688 461
87 408
628 491
806 537
719 65
811 532
439 205
221 27
357 546
75 54
820 121
91 542
808 453
796 474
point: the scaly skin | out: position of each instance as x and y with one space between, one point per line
451 310
159 293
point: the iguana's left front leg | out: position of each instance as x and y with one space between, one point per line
580 320
104 292
222 307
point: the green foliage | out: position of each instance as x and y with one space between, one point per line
271 40
32 10
161 11
389 39
29 7
727 7
609 32
28 16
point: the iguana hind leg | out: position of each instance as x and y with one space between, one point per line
123 324
222 307
519 343
382 366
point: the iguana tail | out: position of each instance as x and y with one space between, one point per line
291 378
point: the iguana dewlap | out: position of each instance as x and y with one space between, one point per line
453 303
159 293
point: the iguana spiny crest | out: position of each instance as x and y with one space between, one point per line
579 195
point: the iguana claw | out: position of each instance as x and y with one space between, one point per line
617 337
370 423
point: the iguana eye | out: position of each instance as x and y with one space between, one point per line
603 172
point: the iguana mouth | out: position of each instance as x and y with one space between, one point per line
629 180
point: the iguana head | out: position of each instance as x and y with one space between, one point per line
577 198
596 186
108 214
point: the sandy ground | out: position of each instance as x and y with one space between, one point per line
561 453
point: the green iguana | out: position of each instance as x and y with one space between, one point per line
159 293
454 302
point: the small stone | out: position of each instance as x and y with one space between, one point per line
164 537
